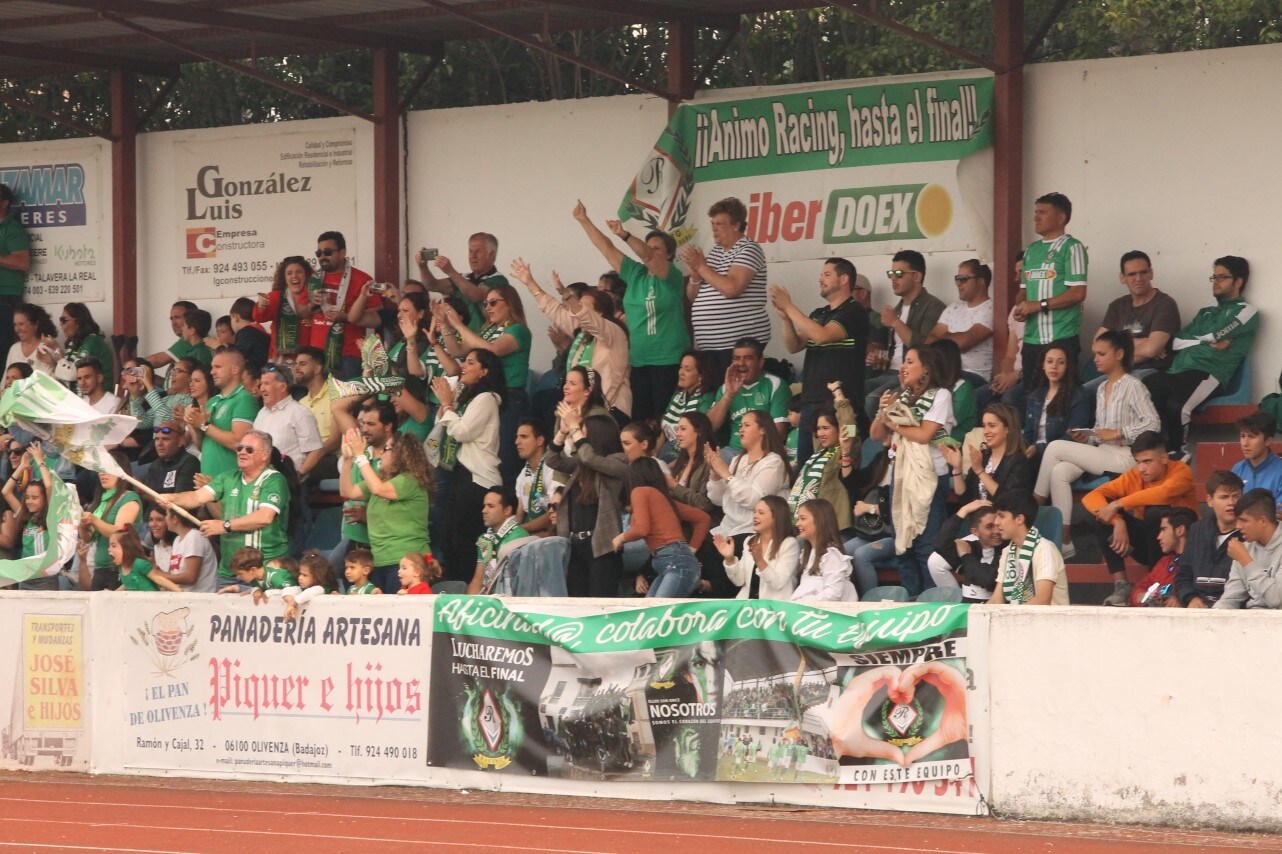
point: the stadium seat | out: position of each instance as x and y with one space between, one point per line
1051 524
888 593
941 594
446 587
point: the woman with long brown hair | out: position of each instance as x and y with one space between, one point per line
287 307
767 569
761 469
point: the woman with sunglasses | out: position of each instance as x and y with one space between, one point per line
37 343
597 339
507 336
287 307
84 339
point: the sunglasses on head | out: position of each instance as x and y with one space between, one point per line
164 431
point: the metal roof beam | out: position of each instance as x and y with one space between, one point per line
187 13
864 11
632 9
35 110
247 70
551 51
93 61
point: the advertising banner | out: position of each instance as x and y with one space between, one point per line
248 202
217 684
862 170
60 204
43 683
742 691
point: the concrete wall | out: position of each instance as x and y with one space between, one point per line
1158 716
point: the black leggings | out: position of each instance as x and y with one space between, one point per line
597 577
463 509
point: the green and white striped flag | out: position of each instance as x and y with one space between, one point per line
66 421
75 430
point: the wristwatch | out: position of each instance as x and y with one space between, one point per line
1046 305
204 428
227 526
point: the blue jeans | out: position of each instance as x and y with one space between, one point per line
676 572
387 578
868 556
877 385
914 573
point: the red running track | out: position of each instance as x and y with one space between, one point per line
58 812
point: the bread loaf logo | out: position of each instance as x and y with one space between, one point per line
169 640
202 243
901 212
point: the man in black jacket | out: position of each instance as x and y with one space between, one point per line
1205 565
973 555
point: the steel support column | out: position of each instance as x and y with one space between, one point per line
124 205
387 167
1008 159
682 37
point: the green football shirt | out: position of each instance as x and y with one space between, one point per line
240 405
240 498
1051 267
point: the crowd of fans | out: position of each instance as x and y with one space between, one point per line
662 447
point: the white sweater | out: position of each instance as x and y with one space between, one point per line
831 584
477 432
738 495
778 578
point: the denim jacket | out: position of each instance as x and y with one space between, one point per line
1081 413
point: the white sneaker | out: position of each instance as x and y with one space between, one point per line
1069 551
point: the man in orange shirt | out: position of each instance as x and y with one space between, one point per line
1129 509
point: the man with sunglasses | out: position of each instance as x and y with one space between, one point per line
334 289
907 323
254 499
173 470
968 322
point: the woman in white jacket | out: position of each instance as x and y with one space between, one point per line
767 569
825 567
762 469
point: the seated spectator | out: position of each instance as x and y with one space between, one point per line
292 427
157 539
84 339
907 324
965 414
698 379
37 343
535 481
760 469
824 569
1207 351
469 421
873 542
1204 569
1151 317
1259 468
968 322
591 514
911 421
90 384
1123 410
252 340
821 476
224 335
288 308
1157 588
173 469
250 376
967 553
767 568
1129 509
1253 579
498 512
156 405
1032 571
747 387
657 518
1056 405
794 431
597 339
983 469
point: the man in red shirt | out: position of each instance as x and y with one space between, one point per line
335 290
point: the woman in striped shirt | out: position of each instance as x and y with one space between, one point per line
1123 410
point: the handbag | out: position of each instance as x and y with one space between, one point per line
871 526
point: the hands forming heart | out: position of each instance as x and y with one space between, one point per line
848 735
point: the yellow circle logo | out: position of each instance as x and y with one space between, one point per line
934 210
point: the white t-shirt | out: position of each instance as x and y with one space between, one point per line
107 404
16 357
897 357
941 412
960 317
195 544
